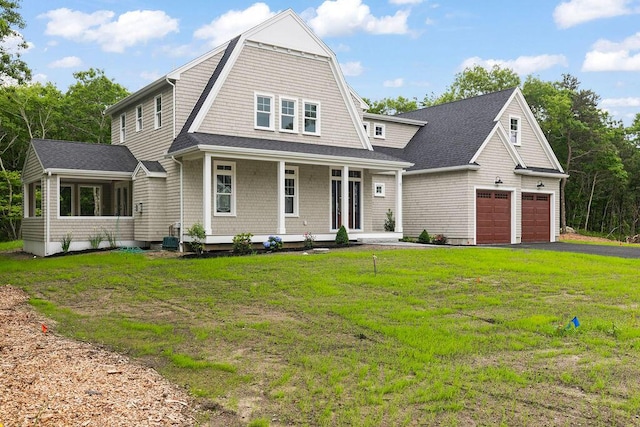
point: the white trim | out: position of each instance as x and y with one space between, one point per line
157 114
272 110
234 184
528 172
207 182
139 118
73 197
375 189
399 202
506 141
518 119
344 199
513 192
552 211
367 128
280 203
296 195
74 173
282 98
361 198
318 118
468 167
319 237
146 172
394 119
123 127
383 129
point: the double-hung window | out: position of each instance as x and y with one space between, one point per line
123 127
515 130
288 116
291 191
264 112
157 115
311 118
138 118
225 188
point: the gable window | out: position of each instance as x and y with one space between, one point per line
378 130
138 118
312 118
123 127
378 189
291 191
367 128
515 130
288 119
225 188
264 112
157 115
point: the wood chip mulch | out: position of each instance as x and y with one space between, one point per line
48 380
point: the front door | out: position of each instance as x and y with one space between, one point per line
336 199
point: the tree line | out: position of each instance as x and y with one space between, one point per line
600 154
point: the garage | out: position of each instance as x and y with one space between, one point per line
536 217
493 217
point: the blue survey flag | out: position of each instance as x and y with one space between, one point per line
575 321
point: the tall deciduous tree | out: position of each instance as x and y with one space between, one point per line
392 106
12 68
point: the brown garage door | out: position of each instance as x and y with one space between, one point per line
536 217
493 216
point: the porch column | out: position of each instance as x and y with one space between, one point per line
398 201
281 216
206 193
345 197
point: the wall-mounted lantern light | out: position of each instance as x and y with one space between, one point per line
540 184
498 180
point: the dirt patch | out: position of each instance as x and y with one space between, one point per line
46 379
581 238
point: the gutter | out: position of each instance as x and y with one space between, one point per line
47 222
540 174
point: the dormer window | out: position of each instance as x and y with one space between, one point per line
378 130
515 130
264 112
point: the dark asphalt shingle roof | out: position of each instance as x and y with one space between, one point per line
187 140
56 154
152 166
455 131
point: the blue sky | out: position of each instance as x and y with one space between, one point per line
386 48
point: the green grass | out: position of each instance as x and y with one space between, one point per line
443 336
10 246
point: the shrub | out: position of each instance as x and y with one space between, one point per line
242 244
66 242
274 243
95 240
440 239
197 234
111 238
390 222
309 239
424 238
342 238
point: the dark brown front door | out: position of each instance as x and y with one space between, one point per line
536 217
493 216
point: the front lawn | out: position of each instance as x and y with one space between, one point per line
453 336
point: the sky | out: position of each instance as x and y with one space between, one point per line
386 48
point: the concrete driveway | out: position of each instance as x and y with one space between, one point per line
616 251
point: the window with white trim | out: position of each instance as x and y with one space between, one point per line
224 201
288 116
311 118
291 191
378 189
139 118
157 113
367 128
264 112
379 130
123 127
515 130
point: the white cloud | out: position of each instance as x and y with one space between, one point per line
574 12
521 65
40 78
405 1
66 62
232 23
344 17
610 56
11 44
620 102
129 29
352 69
399 82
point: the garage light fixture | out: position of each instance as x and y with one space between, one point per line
498 180
540 184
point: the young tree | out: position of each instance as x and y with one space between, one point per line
391 106
12 68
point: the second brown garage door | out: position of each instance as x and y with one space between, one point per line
536 217
493 217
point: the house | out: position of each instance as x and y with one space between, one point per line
262 135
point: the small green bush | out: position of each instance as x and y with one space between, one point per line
342 238
308 240
95 240
198 235
424 238
440 239
390 222
66 242
242 244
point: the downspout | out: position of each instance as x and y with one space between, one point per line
48 218
181 205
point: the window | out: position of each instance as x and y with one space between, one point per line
66 200
378 189
157 115
378 130
367 129
288 119
123 204
311 118
264 112
90 200
123 127
35 199
225 195
291 191
514 130
138 118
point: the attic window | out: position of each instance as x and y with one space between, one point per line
515 130
378 130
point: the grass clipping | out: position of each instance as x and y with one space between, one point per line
49 380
